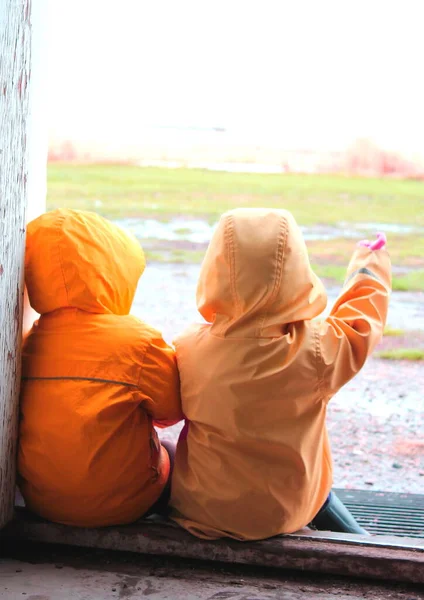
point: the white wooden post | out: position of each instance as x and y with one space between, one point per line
15 182
37 146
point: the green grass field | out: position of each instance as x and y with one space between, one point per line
121 191
411 354
126 190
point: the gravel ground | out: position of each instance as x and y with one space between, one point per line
376 422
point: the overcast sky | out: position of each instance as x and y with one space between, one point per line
311 71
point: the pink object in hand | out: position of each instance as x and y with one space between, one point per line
380 242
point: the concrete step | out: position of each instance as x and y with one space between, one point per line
385 558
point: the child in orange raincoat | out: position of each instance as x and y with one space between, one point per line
255 458
95 380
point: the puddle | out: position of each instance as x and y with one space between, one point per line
326 232
190 230
388 227
200 232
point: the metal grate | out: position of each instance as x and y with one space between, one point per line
386 513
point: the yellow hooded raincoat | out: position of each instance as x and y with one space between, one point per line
256 379
95 379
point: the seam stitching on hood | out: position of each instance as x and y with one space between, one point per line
61 221
280 258
229 239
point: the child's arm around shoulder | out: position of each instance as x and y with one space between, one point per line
356 323
160 383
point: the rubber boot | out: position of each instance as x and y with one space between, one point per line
334 516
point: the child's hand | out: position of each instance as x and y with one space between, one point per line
380 242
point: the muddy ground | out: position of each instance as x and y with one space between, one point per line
376 422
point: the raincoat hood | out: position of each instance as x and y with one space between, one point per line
79 259
256 272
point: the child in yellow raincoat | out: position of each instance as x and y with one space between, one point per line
255 459
95 380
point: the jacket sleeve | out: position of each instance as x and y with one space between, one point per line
160 384
356 322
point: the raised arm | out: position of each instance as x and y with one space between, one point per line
356 323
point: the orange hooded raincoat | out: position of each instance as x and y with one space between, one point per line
95 379
256 379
